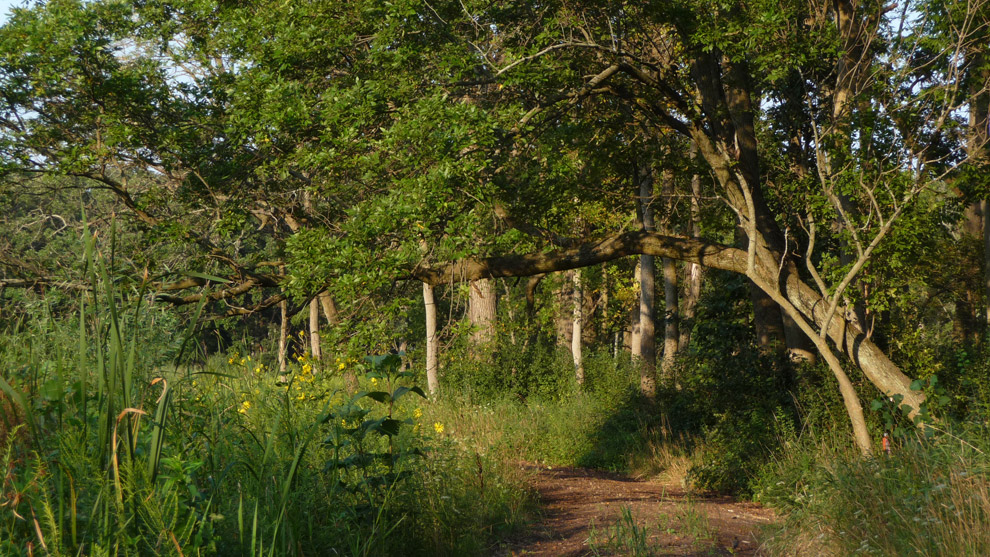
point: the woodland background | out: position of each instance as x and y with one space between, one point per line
262 258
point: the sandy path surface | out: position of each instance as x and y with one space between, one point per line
583 514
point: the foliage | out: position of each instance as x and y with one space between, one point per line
930 497
131 454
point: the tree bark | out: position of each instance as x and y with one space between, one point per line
671 319
576 327
314 330
283 336
799 346
634 331
671 332
767 320
692 292
283 330
432 379
647 350
482 311
692 271
329 308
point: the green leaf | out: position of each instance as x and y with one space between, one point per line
380 396
390 427
205 276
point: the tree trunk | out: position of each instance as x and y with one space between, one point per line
647 352
633 330
576 326
671 334
986 267
647 333
329 308
314 330
854 409
283 336
692 271
692 291
481 312
799 346
767 320
976 147
432 380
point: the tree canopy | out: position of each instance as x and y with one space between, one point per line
363 145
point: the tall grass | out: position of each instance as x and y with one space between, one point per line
119 445
929 497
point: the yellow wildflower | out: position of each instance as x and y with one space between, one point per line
242 361
307 368
231 360
374 381
341 366
438 427
245 406
417 413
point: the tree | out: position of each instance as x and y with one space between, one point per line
481 131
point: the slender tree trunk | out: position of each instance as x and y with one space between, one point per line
432 380
578 317
510 315
977 150
647 291
283 330
647 332
671 332
854 408
283 336
986 267
692 291
692 271
634 330
482 311
314 330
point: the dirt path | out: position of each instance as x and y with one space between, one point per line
589 512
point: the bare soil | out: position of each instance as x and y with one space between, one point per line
580 509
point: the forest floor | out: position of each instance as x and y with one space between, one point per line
583 512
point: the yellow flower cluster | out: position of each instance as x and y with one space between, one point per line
245 406
235 359
438 427
343 364
417 413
